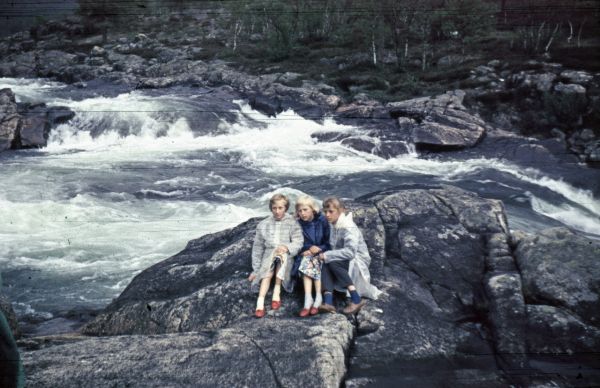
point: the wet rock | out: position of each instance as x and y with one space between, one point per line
10 121
269 352
31 126
59 114
592 151
440 122
361 143
391 148
576 77
544 82
95 61
428 312
34 130
569 88
173 295
330 136
556 330
452 296
265 104
97 51
55 63
561 269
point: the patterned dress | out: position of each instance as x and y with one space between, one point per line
315 232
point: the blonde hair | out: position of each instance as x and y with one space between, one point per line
305 200
279 197
333 202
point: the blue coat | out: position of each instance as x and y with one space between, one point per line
315 232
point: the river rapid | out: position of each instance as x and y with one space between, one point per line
135 176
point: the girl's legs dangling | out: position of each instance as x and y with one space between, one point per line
308 300
318 294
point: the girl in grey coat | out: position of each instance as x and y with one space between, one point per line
278 239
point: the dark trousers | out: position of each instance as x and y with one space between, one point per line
335 274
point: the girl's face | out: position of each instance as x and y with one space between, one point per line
332 214
278 209
305 213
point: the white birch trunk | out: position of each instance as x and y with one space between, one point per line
551 37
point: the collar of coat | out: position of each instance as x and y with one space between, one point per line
344 221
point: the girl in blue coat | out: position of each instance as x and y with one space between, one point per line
315 229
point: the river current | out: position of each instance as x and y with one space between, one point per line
133 177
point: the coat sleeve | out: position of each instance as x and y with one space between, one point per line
325 246
296 239
349 249
258 248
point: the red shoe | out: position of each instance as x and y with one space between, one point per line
276 304
259 313
304 313
314 311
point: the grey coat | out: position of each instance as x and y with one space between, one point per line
348 244
269 235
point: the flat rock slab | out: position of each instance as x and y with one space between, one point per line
562 269
267 352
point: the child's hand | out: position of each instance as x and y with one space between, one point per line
314 250
321 256
281 249
306 253
251 277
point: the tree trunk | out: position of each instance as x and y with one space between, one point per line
552 37
539 36
374 48
236 31
579 33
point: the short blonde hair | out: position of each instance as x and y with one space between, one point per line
279 197
305 200
333 202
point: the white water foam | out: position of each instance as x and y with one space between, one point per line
26 89
281 146
87 234
568 215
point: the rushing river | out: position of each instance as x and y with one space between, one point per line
133 177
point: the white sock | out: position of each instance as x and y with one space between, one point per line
276 292
308 300
260 303
318 300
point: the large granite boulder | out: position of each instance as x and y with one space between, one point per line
440 122
428 250
561 282
455 309
270 352
27 125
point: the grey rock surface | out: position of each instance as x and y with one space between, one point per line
440 122
562 269
454 300
270 352
10 121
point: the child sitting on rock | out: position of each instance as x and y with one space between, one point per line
346 265
315 229
277 237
